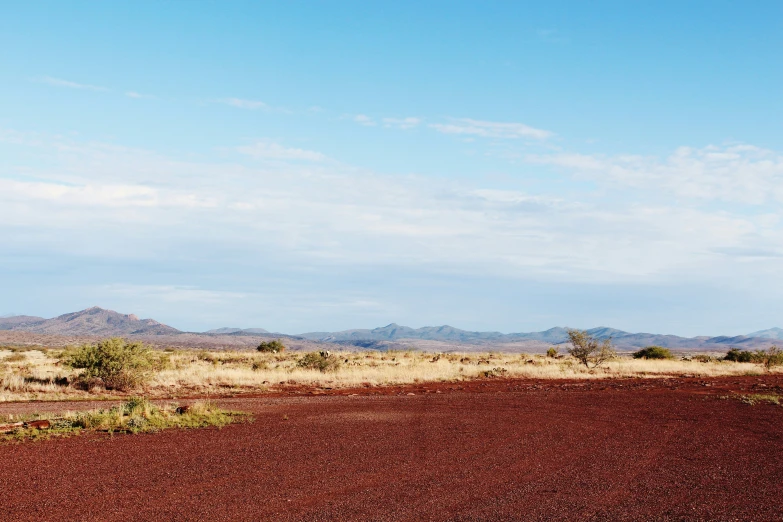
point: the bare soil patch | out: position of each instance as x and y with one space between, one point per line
622 449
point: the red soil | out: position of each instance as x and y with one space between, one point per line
494 450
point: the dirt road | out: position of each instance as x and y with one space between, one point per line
493 450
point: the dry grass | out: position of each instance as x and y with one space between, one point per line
40 375
137 415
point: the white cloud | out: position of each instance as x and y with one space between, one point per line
245 104
401 123
95 197
737 173
59 82
365 120
490 129
275 151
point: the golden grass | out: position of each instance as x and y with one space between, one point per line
187 372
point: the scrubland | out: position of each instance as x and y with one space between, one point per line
40 374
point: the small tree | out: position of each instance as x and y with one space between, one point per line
275 346
771 357
120 364
589 350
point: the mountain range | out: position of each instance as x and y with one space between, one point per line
92 321
97 321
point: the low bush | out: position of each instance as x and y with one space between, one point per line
737 355
275 346
119 364
552 352
653 352
321 361
769 358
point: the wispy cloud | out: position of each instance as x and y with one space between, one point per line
490 129
268 150
171 293
59 82
253 105
365 120
138 96
401 123
740 173
329 214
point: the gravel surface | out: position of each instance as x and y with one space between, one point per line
644 449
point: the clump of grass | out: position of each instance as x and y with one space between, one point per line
137 415
758 398
259 365
494 372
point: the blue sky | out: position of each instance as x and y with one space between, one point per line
307 166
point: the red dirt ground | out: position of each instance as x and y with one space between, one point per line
655 449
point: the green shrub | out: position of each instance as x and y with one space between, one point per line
552 352
120 364
737 355
653 352
275 346
322 361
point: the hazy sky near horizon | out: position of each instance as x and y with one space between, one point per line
304 166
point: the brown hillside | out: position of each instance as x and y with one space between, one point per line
97 321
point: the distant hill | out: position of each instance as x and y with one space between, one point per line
557 335
393 332
8 323
92 321
772 333
231 331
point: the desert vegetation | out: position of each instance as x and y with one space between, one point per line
114 363
588 350
653 352
769 358
116 368
136 415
